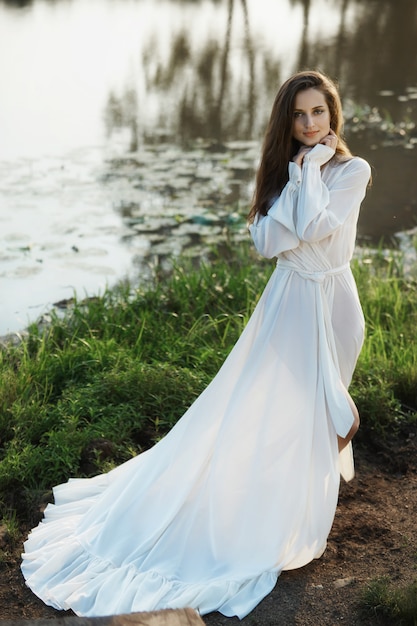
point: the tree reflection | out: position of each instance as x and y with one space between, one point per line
214 92
196 91
122 113
377 53
19 4
384 47
303 61
208 106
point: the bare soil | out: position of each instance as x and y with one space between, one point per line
373 535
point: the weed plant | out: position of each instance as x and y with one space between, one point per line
384 604
113 376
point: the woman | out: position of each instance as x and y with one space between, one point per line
246 483
311 225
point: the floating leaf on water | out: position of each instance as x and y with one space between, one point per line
132 222
155 224
177 184
198 178
186 241
213 239
240 169
168 248
151 238
234 218
189 228
204 220
242 145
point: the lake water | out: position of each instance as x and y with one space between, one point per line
130 129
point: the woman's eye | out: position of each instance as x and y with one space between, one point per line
315 112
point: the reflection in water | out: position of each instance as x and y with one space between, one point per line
384 48
203 99
214 90
214 68
223 89
194 80
122 113
303 61
374 55
20 4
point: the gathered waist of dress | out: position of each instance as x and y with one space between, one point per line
317 275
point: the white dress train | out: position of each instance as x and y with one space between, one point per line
246 483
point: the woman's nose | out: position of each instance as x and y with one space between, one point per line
309 121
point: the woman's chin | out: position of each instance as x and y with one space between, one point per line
310 143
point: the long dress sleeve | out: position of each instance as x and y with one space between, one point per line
321 211
276 232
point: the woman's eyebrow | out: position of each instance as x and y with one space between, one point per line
318 106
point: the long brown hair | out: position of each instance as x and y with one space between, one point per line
279 146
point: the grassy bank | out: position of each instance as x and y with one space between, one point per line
115 374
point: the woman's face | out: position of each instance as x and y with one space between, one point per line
311 117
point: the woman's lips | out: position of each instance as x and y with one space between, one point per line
311 134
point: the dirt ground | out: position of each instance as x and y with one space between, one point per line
373 535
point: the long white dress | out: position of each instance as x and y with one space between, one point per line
246 483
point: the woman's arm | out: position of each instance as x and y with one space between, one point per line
321 211
276 232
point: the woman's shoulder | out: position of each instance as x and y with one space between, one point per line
354 165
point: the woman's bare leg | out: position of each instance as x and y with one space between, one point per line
343 441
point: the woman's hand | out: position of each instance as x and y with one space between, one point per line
330 140
299 157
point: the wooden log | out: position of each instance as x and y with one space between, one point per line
168 617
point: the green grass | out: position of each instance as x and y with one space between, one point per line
114 375
385 380
384 604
